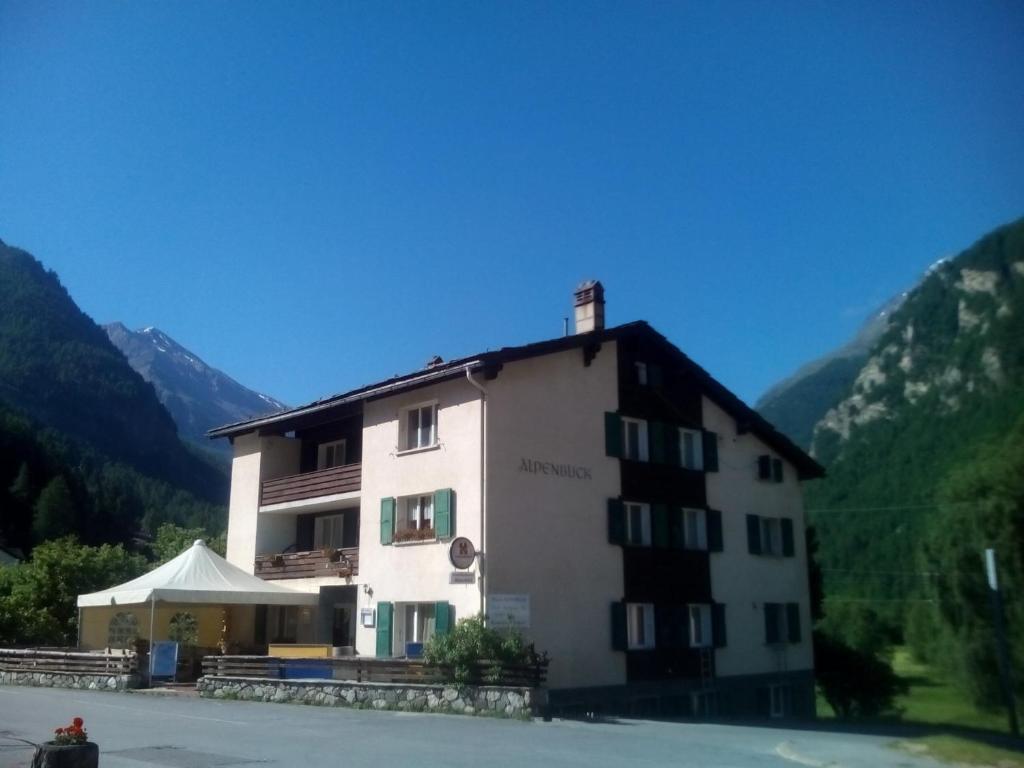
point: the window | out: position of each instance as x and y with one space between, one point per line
640 625
184 629
415 625
328 532
700 626
779 700
415 518
769 468
638 524
634 439
781 623
122 631
695 529
771 536
419 427
691 449
703 704
282 623
330 454
641 374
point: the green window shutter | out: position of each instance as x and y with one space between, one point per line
384 616
714 526
764 467
777 470
771 622
787 536
656 442
754 534
620 639
442 618
659 525
616 521
613 435
655 376
443 513
793 622
677 527
710 452
718 624
387 520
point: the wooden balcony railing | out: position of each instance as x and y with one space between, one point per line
303 565
310 485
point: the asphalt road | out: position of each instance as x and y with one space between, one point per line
140 730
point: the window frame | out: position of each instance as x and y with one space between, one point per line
771 536
645 523
338 519
698 448
403 427
424 513
321 453
701 515
399 630
777 694
781 624
699 616
643 449
640 627
641 373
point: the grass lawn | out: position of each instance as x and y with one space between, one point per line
932 700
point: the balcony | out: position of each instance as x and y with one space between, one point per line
305 565
312 485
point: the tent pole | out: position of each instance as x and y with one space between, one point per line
152 610
78 646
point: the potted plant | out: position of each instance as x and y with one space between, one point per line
69 748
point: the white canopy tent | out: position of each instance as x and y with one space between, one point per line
197 575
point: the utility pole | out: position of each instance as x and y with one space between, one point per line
1002 652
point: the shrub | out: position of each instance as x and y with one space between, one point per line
855 683
471 650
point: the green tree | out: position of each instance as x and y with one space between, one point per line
55 513
855 683
172 540
470 642
21 489
38 598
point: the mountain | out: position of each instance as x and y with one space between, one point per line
797 403
197 396
942 382
74 414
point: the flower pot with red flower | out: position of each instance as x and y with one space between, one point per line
70 748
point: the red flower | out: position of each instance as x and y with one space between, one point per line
58 730
78 722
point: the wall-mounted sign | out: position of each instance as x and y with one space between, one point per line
366 617
570 471
508 611
461 577
461 552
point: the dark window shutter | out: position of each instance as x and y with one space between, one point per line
616 522
442 618
613 435
677 527
764 467
771 622
656 442
754 534
793 622
384 620
655 376
714 526
777 470
673 449
787 536
659 525
443 513
387 521
718 624
304 533
620 638
710 451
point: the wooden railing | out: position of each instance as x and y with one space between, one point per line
71 662
304 565
310 485
366 670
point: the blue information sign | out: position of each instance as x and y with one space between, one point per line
165 659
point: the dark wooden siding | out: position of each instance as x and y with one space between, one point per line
302 565
654 575
310 485
349 429
663 484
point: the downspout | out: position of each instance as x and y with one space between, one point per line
481 556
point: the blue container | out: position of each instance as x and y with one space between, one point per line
413 650
297 669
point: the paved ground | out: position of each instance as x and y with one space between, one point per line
137 730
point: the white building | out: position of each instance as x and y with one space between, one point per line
635 518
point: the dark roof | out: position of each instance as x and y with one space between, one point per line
747 418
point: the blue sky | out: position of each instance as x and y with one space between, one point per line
315 196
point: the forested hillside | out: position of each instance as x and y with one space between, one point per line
85 446
944 381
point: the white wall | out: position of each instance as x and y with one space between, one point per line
744 582
547 535
418 572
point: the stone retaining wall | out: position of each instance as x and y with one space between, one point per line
71 680
495 701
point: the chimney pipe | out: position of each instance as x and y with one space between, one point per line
589 306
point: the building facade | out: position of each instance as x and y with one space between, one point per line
630 516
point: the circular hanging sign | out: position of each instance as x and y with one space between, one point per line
461 552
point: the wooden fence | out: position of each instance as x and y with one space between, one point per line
366 670
69 662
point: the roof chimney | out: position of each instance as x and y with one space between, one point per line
589 306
